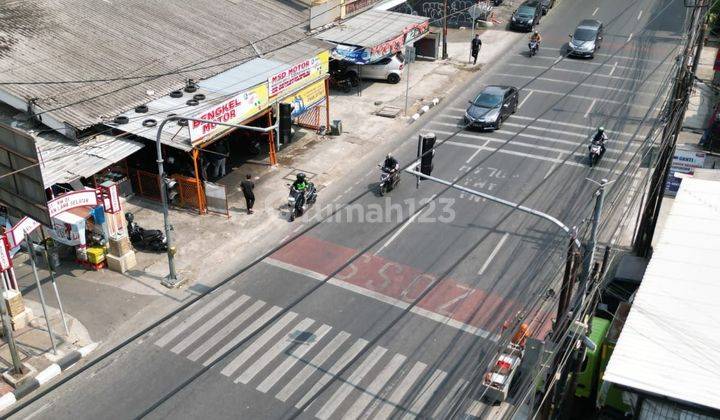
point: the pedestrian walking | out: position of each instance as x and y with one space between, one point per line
247 187
475 47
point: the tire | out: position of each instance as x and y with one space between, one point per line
498 125
292 215
354 79
381 190
393 78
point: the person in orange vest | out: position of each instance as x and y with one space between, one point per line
520 335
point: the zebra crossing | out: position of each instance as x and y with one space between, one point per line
298 359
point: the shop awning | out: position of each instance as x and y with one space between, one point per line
374 35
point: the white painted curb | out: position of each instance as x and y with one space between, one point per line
425 108
7 400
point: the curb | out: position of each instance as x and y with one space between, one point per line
46 375
425 108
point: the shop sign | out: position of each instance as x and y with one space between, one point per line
72 200
357 5
416 31
21 229
356 55
684 163
299 74
5 260
387 48
69 230
111 200
233 111
306 98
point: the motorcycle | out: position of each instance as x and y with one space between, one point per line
298 201
145 239
343 80
388 180
596 152
533 46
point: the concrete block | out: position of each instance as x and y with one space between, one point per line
14 302
21 320
121 264
120 246
17 380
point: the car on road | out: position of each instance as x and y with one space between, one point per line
586 39
526 16
546 5
389 68
493 105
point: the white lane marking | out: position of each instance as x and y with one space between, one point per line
352 382
525 99
204 328
612 70
629 37
425 393
475 409
38 411
298 228
400 390
493 254
402 228
225 331
289 362
571 82
265 317
327 376
595 11
545 129
285 238
372 390
592 105
552 167
557 60
639 15
586 63
448 398
473 156
257 344
274 351
383 298
195 317
315 364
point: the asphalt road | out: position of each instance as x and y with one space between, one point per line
388 309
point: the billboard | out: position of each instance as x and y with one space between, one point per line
684 162
306 98
299 74
21 185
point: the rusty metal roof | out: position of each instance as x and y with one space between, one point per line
69 40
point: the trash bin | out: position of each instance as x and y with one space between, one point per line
336 128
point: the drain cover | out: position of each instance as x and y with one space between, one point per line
388 112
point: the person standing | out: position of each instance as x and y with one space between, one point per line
247 187
475 47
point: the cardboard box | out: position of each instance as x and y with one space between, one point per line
120 246
121 264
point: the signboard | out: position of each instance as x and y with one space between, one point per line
299 74
68 229
416 31
5 260
387 48
684 162
409 54
71 200
233 111
357 5
18 232
306 98
21 184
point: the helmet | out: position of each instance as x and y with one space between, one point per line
536 33
601 129
301 176
389 156
129 217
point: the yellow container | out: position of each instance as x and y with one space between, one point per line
96 254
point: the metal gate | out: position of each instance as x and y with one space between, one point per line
314 117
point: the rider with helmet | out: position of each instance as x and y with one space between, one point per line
391 164
300 183
599 138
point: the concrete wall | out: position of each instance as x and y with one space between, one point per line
457 11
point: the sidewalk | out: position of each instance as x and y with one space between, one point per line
109 306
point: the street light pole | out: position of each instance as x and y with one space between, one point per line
172 278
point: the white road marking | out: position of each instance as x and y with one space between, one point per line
403 227
448 399
352 382
571 82
592 105
400 390
612 70
207 326
274 351
195 317
265 317
298 228
615 56
225 330
557 60
372 390
38 411
595 11
285 238
546 129
424 396
552 167
493 254
314 365
476 408
383 298
525 99
629 37
289 362
639 15
473 156
609 76
327 376
257 344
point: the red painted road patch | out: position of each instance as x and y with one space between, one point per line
479 311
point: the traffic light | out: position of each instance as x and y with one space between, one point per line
284 123
171 189
428 142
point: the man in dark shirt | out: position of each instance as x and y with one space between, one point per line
247 187
475 47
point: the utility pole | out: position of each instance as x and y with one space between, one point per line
590 249
445 31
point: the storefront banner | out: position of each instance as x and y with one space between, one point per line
299 74
233 111
387 48
72 200
68 229
416 31
21 229
306 98
356 55
684 163
5 261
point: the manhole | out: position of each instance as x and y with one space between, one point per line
388 112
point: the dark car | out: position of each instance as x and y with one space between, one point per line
586 39
546 5
492 106
526 16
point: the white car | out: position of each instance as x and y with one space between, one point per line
389 69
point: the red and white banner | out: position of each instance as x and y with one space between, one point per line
299 74
21 229
71 200
5 260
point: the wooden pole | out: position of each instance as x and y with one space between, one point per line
198 184
327 104
271 141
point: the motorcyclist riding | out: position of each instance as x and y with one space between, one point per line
536 37
391 164
599 138
300 184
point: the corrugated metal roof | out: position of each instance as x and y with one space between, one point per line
56 40
370 28
670 344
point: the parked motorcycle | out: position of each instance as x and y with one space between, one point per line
533 46
343 80
388 180
299 201
596 152
145 239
